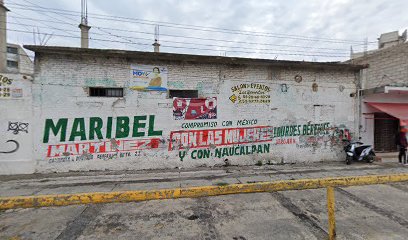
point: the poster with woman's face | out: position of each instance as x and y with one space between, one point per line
148 77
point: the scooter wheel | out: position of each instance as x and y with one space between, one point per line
370 158
348 160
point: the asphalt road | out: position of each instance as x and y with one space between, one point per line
362 212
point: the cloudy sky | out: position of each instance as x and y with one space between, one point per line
310 30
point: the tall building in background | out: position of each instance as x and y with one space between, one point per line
17 60
13 58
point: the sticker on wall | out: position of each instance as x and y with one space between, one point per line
16 93
250 93
194 108
5 87
148 78
10 88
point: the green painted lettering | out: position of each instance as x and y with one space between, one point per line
60 127
236 152
206 153
225 152
259 149
151 131
286 131
266 148
95 125
137 124
304 132
78 129
242 150
247 152
218 152
109 128
231 151
122 127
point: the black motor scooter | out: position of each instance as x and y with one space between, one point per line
356 151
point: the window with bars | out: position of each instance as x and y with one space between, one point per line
12 64
12 50
106 92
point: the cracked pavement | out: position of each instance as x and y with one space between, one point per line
362 212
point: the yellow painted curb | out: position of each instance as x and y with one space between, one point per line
144 195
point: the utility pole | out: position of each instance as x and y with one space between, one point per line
84 25
156 43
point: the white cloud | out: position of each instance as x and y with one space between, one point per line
339 19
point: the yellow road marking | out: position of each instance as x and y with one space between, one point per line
192 192
330 211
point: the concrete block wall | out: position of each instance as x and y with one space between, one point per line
300 123
60 91
387 66
16 125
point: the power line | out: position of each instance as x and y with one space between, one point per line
207 45
178 42
197 38
58 19
191 48
191 27
177 24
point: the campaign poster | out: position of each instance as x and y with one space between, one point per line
194 108
148 78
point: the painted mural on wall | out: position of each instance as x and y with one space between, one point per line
194 108
250 93
148 77
220 143
82 139
93 138
9 89
219 137
312 135
226 142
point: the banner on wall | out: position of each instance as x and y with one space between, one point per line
194 108
250 93
148 78
9 88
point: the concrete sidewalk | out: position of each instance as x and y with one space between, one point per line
107 181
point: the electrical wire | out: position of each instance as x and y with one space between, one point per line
191 37
207 45
58 20
191 48
129 39
186 27
211 45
